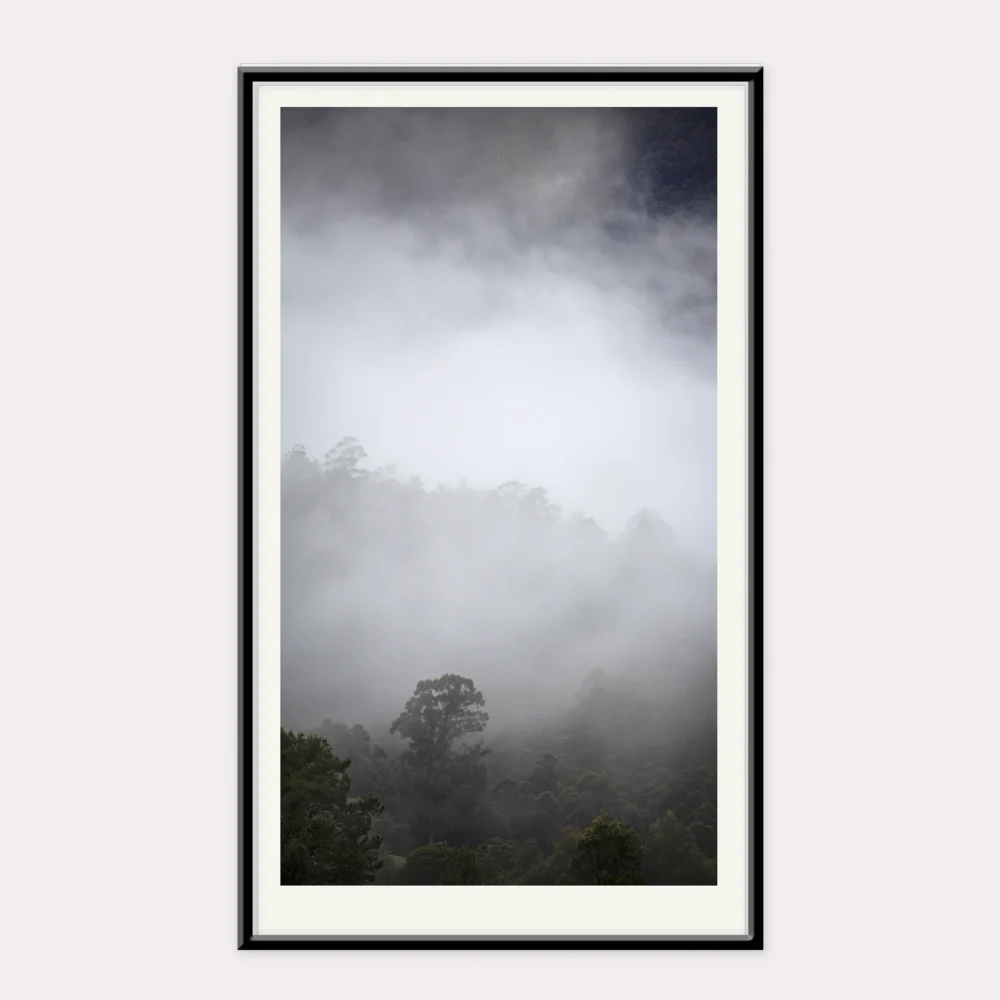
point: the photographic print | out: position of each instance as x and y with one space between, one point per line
500 685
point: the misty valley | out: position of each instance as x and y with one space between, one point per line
480 690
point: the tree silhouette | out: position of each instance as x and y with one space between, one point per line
441 712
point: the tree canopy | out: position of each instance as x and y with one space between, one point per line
325 837
549 693
438 768
440 820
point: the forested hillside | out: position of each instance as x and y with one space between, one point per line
478 689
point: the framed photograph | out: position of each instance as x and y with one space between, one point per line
500 678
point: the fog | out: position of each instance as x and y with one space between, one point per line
483 299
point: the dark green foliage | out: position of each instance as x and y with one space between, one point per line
545 820
705 838
444 778
325 837
555 868
624 764
591 795
461 867
664 798
441 864
673 856
608 852
512 836
440 712
496 862
427 865
506 862
368 774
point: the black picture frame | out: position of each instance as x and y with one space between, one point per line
248 77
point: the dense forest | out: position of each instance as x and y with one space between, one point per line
478 687
479 690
